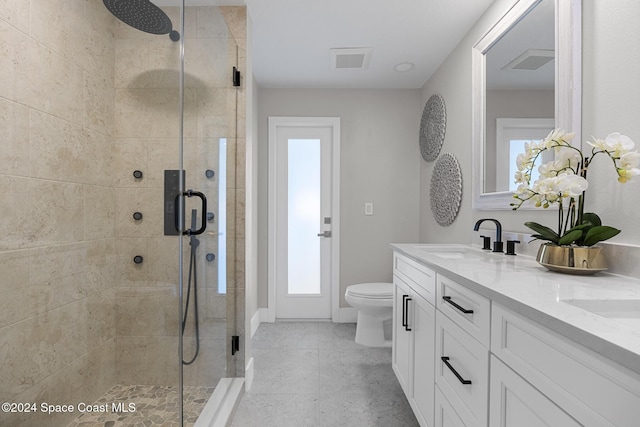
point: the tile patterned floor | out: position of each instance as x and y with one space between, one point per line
315 375
154 406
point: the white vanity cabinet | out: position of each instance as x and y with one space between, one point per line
590 389
413 335
467 356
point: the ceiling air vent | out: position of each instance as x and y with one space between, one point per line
357 58
531 60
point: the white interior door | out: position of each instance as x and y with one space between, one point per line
304 221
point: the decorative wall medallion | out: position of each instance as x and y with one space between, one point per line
432 128
446 189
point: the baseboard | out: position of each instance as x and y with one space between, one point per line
255 322
347 315
248 375
266 316
343 315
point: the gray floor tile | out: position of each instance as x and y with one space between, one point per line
277 410
357 371
338 335
314 374
285 371
286 335
346 409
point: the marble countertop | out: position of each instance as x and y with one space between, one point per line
600 312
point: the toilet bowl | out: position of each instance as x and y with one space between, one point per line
374 302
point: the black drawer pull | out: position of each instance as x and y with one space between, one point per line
453 303
445 359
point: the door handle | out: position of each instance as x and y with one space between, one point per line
325 234
203 199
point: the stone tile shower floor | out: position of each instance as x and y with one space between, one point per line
155 406
314 374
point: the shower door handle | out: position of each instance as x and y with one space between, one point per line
203 198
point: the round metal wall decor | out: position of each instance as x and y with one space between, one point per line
432 128
446 189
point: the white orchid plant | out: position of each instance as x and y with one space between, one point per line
564 181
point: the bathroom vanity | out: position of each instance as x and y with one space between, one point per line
485 339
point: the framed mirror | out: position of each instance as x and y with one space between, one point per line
526 81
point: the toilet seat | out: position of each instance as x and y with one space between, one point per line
371 291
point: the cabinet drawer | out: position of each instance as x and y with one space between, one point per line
462 371
471 311
594 391
445 415
419 277
515 402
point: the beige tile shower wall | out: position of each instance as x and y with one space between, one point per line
57 246
147 136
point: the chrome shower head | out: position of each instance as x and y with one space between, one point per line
142 15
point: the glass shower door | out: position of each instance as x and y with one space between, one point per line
207 146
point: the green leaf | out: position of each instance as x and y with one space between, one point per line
545 232
570 237
537 237
591 218
599 233
580 227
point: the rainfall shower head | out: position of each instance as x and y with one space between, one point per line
142 15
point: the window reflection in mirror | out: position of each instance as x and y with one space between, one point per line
520 84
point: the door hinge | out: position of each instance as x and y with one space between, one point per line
236 77
235 344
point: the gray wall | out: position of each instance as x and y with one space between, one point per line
611 102
379 163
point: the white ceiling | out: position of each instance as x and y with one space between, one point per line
292 39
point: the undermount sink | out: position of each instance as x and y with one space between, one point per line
452 251
611 308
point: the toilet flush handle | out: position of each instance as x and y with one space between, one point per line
325 234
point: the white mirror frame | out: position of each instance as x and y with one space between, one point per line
568 87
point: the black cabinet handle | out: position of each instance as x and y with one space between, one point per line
406 312
404 315
445 360
453 303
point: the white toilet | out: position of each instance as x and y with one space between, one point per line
374 302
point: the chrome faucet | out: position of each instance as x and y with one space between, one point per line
497 245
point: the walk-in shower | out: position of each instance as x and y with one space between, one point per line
94 325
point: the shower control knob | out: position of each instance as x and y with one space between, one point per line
137 174
211 257
210 173
138 259
137 216
210 216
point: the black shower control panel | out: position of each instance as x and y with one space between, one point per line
171 191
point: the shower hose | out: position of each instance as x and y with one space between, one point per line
193 280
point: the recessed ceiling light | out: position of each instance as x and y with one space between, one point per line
404 67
